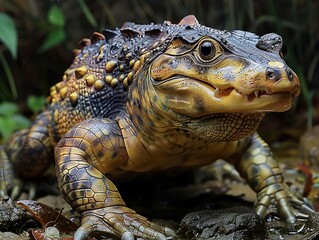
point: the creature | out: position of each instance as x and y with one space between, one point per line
146 98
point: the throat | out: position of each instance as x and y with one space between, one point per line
224 127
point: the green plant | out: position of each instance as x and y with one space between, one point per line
36 103
9 38
11 120
55 31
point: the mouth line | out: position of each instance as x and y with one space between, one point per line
220 92
254 94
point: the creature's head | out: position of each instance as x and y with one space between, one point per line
206 71
216 85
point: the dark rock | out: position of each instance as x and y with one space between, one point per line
13 218
235 223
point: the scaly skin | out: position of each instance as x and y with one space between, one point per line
154 97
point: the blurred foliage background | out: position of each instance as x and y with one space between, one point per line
37 38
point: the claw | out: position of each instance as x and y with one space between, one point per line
19 185
122 222
3 193
160 237
303 206
302 215
307 206
127 236
32 190
16 191
169 232
261 210
83 231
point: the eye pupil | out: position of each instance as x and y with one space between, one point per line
207 50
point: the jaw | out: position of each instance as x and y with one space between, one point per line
195 98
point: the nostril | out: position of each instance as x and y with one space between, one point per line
290 74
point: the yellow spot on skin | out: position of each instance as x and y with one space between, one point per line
276 64
90 80
110 66
130 77
56 116
132 63
114 82
99 84
136 66
74 98
69 71
58 85
81 71
122 67
125 82
108 79
121 77
63 92
53 92
128 56
101 53
52 88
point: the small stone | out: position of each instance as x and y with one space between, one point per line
232 223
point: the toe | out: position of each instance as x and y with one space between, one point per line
32 190
169 232
127 236
83 231
160 236
261 210
300 215
16 191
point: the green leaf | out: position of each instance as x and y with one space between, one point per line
8 108
52 39
8 34
20 121
9 124
6 127
36 103
56 16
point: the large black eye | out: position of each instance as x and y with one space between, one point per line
207 50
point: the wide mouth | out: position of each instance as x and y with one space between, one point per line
251 96
195 98
224 90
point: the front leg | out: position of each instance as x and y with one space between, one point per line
264 176
84 156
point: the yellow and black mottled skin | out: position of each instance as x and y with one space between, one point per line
154 97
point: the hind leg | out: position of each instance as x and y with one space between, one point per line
30 152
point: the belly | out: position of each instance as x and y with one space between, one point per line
160 159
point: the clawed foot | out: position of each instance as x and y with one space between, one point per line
14 189
278 198
121 222
10 184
